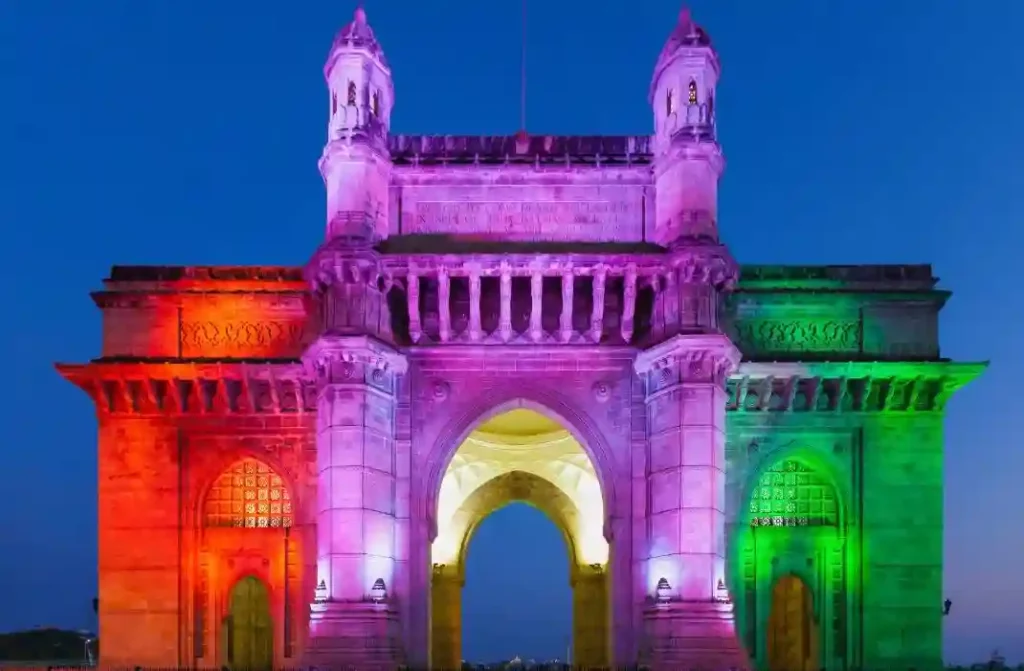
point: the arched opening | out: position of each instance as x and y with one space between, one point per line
792 632
532 600
248 628
244 548
791 570
521 455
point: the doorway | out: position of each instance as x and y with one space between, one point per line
248 628
792 631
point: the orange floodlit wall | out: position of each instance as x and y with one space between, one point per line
206 456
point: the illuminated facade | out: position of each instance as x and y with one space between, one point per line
745 462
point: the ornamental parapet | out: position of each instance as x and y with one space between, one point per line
565 150
847 386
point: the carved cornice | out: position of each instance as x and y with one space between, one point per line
704 264
690 358
336 359
337 262
847 386
134 388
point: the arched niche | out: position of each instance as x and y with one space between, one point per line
248 494
245 516
792 525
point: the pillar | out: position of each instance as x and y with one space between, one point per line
354 619
446 618
591 637
688 621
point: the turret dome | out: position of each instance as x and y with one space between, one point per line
686 35
356 35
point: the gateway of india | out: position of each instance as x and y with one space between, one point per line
745 461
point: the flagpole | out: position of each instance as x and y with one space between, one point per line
522 72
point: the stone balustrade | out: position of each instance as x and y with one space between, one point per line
510 299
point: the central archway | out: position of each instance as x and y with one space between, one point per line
521 455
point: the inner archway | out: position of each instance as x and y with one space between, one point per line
522 455
248 628
792 633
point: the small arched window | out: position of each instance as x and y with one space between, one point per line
334 103
793 495
351 94
692 92
375 104
248 495
669 103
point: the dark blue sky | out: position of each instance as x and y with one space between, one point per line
875 131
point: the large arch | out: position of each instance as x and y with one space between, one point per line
797 532
515 453
488 405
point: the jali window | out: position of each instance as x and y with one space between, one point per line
250 495
793 495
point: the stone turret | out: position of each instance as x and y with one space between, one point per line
355 165
688 160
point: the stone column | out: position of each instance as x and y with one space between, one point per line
591 619
536 303
446 618
689 621
475 330
565 322
413 299
505 314
354 620
597 309
444 304
628 302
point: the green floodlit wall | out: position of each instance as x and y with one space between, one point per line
840 399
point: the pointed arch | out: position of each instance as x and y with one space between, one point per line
498 401
248 494
824 466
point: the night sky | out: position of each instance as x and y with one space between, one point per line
187 132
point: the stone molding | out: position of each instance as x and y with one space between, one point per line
284 388
847 386
699 358
334 359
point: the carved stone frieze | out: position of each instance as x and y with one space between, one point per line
761 336
241 338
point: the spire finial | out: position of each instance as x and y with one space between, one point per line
360 14
522 77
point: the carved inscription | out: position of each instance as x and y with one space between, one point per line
793 336
536 220
241 338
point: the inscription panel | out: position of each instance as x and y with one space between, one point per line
546 213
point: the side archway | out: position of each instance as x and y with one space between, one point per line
248 566
791 562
